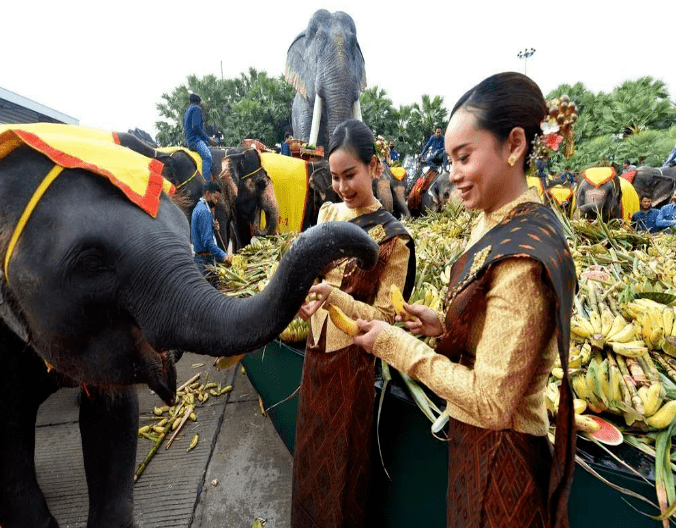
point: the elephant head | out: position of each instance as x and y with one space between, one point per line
658 183
111 290
440 191
326 67
250 190
599 192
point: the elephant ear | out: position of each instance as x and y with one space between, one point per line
294 64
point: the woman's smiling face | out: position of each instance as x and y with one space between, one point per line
479 163
351 178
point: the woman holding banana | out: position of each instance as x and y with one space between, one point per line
507 316
335 413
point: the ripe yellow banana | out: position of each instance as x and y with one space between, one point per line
604 382
342 321
579 406
618 324
595 320
607 320
579 384
651 397
664 416
630 349
397 300
667 320
673 327
586 423
669 346
624 335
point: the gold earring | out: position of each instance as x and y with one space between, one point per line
511 160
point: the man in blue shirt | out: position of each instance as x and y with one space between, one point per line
196 137
394 154
202 227
645 219
568 177
286 145
671 159
667 216
436 146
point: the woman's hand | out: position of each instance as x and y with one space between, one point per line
321 292
370 330
427 322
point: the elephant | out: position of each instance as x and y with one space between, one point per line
658 183
249 192
439 192
326 67
391 192
101 303
601 190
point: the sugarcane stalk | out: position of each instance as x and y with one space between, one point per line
637 403
149 456
636 371
646 363
191 380
668 369
626 393
188 411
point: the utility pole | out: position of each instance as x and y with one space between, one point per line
525 54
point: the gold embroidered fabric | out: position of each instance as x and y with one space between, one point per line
511 349
394 273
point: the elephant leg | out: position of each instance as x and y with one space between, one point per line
384 193
24 385
109 426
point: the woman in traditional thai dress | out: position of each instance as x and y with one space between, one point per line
331 465
507 316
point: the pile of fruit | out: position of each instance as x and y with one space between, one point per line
623 329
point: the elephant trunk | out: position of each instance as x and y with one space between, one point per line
177 309
270 207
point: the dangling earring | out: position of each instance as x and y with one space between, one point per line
511 160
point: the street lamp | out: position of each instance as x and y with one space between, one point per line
525 54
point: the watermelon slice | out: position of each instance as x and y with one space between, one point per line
608 434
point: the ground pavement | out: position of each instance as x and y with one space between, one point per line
240 469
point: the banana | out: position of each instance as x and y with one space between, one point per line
581 327
673 328
579 406
193 442
579 384
664 416
586 423
342 321
397 300
597 400
624 335
595 320
651 397
669 346
607 320
630 349
667 320
604 382
615 383
618 324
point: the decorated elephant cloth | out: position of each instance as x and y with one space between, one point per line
560 193
629 175
597 176
399 173
96 151
289 178
534 182
630 200
193 155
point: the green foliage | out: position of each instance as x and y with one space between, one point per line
250 106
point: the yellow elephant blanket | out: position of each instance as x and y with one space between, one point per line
96 151
194 155
630 200
289 178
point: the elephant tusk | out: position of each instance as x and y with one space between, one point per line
316 119
356 110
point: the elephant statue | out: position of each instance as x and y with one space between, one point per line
658 183
601 191
249 192
439 192
103 300
326 67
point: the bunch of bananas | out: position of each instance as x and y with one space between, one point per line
296 331
654 323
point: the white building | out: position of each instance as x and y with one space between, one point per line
15 108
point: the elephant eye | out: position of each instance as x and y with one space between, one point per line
92 262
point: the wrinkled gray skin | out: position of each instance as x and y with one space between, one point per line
658 183
104 298
325 61
391 193
248 192
440 191
606 199
320 190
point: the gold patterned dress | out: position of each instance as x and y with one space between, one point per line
507 316
331 466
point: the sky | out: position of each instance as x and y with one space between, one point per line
107 64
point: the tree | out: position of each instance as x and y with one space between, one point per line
377 112
425 117
250 106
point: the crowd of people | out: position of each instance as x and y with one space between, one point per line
650 219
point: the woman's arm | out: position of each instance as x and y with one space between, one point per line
518 326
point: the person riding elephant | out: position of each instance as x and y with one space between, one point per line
326 67
435 147
196 138
102 301
658 183
250 192
601 190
